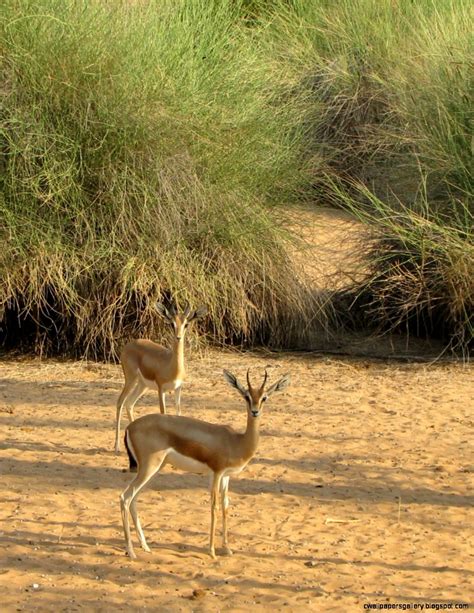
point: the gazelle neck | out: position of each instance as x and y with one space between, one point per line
178 354
251 435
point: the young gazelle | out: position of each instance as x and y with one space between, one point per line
146 364
195 446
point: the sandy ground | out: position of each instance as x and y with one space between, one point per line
360 492
329 240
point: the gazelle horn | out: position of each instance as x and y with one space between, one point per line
248 380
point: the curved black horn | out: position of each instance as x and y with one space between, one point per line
264 380
187 311
248 379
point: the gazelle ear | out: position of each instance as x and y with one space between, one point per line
199 313
233 382
280 385
163 311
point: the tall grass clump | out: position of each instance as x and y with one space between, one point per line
143 145
147 148
420 270
389 138
390 84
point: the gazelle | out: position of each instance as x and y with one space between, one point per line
194 446
146 364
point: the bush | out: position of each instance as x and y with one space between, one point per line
142 148
148 148
389 139
420 270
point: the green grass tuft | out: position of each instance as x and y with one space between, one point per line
389 137
148 148
142 145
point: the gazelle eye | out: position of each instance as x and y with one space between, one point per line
264 398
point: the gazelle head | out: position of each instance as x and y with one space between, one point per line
180 321
256 396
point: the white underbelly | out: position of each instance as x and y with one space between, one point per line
167 387
172 385
234 470
186 463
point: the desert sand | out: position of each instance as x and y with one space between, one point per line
360 492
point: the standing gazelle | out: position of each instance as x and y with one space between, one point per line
195 446
146 364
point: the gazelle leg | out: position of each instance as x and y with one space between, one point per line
177 400
128 502
224 506
214 503
133 397
161 395
127 389
138 526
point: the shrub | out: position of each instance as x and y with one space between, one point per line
142 148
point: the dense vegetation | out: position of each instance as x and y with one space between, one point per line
390 139
149 149
142 147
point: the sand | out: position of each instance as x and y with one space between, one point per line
360 492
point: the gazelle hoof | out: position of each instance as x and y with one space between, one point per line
146 548
226 551
131 554
212 553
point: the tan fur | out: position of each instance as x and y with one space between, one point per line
216 449
147 364
219 447
143 356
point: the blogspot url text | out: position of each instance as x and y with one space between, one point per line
417 606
